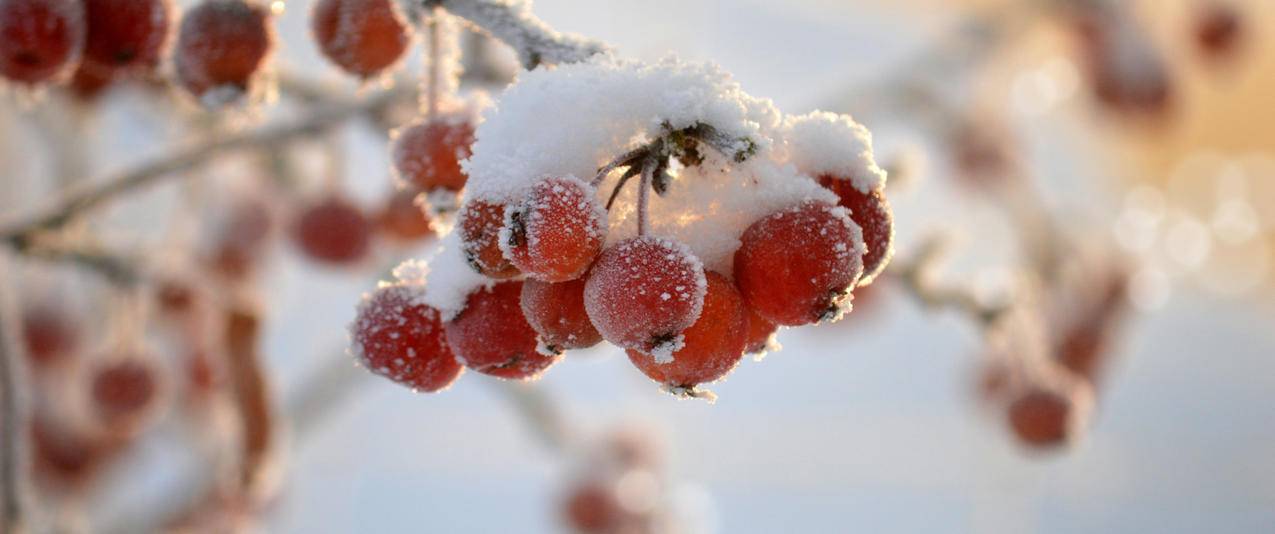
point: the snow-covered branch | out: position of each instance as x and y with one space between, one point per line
511 21
96 193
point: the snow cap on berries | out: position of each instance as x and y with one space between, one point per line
568 120
451 279
822 143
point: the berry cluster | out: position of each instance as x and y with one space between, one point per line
733 231
219 53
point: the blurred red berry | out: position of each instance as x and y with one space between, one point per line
124 34
363 37
334 231
1043 418
1219 28
428 153
123 391
221 47
51 333
39 39
402 218
592 508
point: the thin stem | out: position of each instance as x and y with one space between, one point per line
539 412
644 194
12 437
625 160
916 276
434 70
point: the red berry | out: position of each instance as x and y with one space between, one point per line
760 331
491 335
644 291
403 219
175 296
51 333
797 266
556 231
39 39
713 345
88 83
398 336
221 46
480 222
334 231
123 391
593 508
555 310
241 238
126 33
871 211
1043 417
428 153
62 456
1219 27
364 37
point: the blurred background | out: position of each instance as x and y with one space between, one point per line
1133 140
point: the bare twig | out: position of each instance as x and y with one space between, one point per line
512 22
80 200
11 427
916 275
118 269
539 411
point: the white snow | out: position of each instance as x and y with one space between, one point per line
828 144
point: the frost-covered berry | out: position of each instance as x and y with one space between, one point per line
39 39
402 217
428 153
643 292
556 231
479 224
123 392
556 311
491 335
334 231
50 332
797 266
126 33
1046 417
760 332
363 37
398 336
871 211
713 345
221 47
